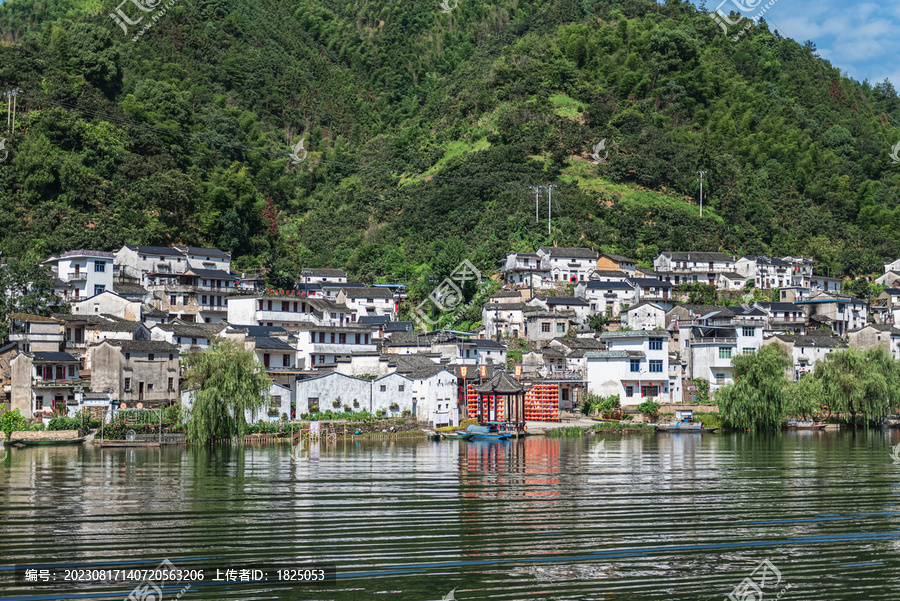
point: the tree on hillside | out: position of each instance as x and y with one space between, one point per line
226 380
25 287
756 399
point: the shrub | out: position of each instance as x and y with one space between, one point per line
64 423
10 421
380 413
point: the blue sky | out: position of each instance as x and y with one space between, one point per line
860 38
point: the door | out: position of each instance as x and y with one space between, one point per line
140 391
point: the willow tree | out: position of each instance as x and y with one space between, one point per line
858 383
804 398
756 399
226 382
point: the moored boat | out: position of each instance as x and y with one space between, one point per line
489 432
797 424
693 427
23 442
457 435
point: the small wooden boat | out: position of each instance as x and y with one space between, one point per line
693 427
22 442
797 424
457 435
489 432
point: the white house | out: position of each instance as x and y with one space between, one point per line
136 261
322 392
88 272
608 298
710 342
805 351
635 366
579 306
702 267
507 319
393 394
286 310
886 336
644 316
568 264
525 270
368 301
840 312
108 303
317 276
325 345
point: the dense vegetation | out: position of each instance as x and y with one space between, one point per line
425 129
862 384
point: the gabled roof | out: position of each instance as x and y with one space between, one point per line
8 347
565 300
780 307
500 383
607 273
650 283
213 274
143 346
155 250
703 257
597 285
32 318
644 304
273 344
114 326
42 356
618 258
634 334
373 319
568 253
208 252
398 326
614 355
366 292
813 341
700 310
324 273
483 343
124 289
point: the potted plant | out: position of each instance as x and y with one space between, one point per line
335 403
380 413
313 408
407 413
347 409
355 403
394 407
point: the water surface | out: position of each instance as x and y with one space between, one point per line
665 516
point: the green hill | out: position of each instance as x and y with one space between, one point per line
426 129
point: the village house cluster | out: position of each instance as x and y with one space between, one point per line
566 323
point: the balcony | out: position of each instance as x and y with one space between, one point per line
699 341
739 321
78 276
340 349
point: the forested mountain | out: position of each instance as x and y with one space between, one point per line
426 129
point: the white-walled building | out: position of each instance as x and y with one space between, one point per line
108 303
525 270
87 272
644 316
568 264
606 298
325 345
635 366
318 276
286 310
709 343
701 267
839 312
365 301
805 351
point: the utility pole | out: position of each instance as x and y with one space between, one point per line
549 198
702 173
537 195
11 101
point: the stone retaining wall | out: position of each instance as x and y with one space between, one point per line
44 435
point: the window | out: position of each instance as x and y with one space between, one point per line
401 388
545 327
841 307
332 338
71 371
99 289
383 388
656 344
321 358
149 387
284 306
151 356
656 366
39 403
203 300
171 384
369 300
127 384
171 356
285 360
724 352
321 337
127 356
629 391
560 328
193 342
750 351
342 338
172 299
749 331
99 266
635 365
720 379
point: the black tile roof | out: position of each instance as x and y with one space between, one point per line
43 356
214 274
373 319
155 250
398 326
566 253
360 292
208 252
273 344
698 256
144 346
566 300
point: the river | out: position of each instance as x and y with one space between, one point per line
632 517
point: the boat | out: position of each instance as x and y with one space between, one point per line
488 432
685 426
797 424
23 442
457 435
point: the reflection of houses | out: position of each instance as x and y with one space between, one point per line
805 351
43 382
145 371
635 366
